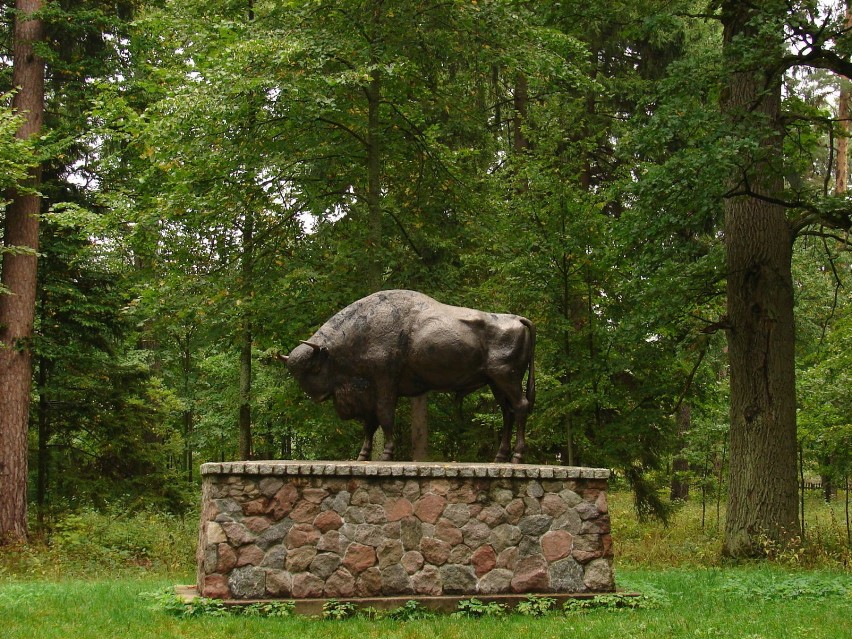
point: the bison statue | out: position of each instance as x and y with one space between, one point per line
398 343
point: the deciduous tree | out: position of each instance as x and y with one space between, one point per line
18 285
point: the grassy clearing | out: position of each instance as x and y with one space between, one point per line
753 603
87 580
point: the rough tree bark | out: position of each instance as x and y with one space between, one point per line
374 181
246 336
842 172
17 308
758 237
680 464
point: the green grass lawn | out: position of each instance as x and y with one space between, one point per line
745 602
89 580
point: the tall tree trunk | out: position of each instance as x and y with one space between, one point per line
17 308
762 487
188 411
374 182
246 339
521 101
842 172
680 465
43 457
375 261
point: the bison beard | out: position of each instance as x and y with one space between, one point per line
403 344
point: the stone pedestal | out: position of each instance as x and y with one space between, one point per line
310 530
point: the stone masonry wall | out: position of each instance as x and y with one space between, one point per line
287 529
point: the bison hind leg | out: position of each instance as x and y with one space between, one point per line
520 435
515 413
508 422
390 444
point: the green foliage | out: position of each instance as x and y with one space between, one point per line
208 181
166 601
278 609
613 602
16 155
87 542
411 610
473 608
535 606
338 610
787 587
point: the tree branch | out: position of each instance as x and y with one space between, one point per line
818 58
343 127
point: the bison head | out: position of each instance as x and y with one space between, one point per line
309 364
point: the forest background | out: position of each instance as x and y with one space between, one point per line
215 179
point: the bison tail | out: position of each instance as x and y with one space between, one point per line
531 373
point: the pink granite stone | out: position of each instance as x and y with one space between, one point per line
255 506
397 509
302 535
227 559
282 502
531 575
256 524
216 587
429 508
483 560
435 551
307 586
340 584
314 495
556 544
359 558
304 512
250 556
328 520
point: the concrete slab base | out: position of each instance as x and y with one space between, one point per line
442 604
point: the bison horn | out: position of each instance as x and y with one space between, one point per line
313 346
282 358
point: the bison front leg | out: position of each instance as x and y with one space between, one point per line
370 426
386 412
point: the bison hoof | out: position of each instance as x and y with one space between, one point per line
516 458
386 457
364 457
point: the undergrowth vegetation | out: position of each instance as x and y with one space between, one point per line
166 601
91 543
693 536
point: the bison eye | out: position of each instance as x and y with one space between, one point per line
319 358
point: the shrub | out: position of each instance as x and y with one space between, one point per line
474 608
536 606
337 610
89 542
